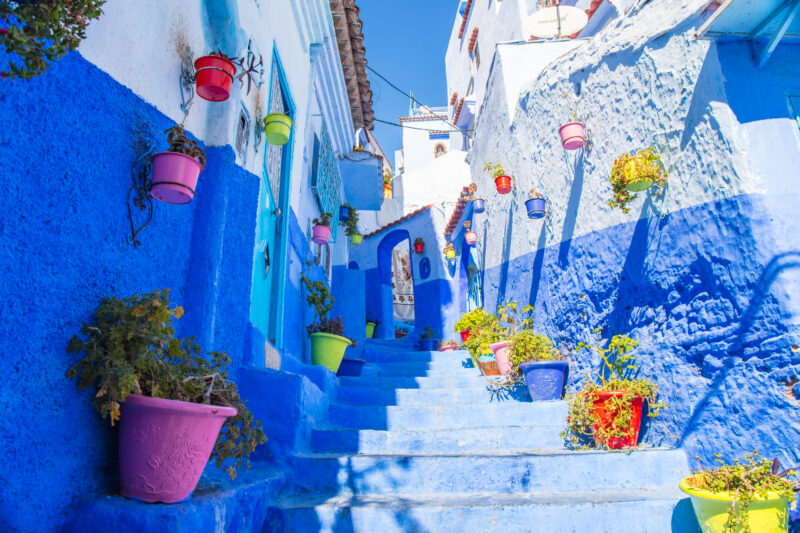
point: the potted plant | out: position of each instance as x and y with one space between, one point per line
449 346
277 128
633 173
419 245
478 204
572 133
470 236
344 212
426 341
473 321
175 171
535 205
321 232
213 76
488 365
176 406
387 185
351 226
449 252
43 32
328 342
544 368
371 325
509 324
350 367
610 411
501 180
752 496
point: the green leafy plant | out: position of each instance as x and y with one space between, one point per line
323 220
351 224
495 169
616 374
43 31
319 296
511 320
644 165
130 348
387 179
427 333
180 143
745 482
474 320
483 331
528 347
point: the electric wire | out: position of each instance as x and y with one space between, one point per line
422 129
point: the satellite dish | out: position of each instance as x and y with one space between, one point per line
556 22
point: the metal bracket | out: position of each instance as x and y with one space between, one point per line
249 68
186 80
139 192
258 129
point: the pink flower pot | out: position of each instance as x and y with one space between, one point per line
321 234
164 446
471 237
449 348
174 177
500 350
572 135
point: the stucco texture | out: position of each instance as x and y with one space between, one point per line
67 146
700 277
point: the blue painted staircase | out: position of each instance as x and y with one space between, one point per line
416 445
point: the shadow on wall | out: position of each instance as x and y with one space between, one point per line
571 213
503 284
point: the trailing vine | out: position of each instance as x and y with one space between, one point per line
180 143
644 165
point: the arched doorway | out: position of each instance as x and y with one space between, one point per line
396 281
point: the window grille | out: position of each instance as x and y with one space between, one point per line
325 180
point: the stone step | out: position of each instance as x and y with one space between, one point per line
476 394
554 471
454 364
416 417
639 511
407 382
507 438
217 504
403 356
417 370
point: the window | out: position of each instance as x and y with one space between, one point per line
476 57
243 133
439 150
322 258
325 179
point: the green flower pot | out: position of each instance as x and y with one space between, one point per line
370 329
277 128
769 515
328 350
355 239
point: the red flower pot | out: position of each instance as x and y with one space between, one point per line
464 335
604 414
503 184
214 75
419 248
489 368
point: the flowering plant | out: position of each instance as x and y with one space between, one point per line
495 169
635 172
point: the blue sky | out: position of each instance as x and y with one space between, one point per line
405 41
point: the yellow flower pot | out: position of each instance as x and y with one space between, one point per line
450 254
328 350
356 239
277 128
769 515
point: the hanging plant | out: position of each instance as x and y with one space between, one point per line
277 128
633 173
501 180
43 31
535 205
322 228
175 171
419 245
387 185
213 76
344 212
573 134
470 236
449 251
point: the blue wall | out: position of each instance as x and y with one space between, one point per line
66 153
701 291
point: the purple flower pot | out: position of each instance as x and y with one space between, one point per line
478 206
545 379
174 177
350 367
535 207
428 345
164 446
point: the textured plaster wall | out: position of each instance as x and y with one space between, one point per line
705 278
67 154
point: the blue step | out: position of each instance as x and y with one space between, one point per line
418 370
437 382
638 511
559 471
399 356
477 394
416 417
507 438
456 364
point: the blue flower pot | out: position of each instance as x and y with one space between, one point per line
535 207
350 367
545 379
428 345
478 206
344 213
